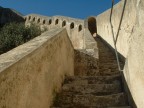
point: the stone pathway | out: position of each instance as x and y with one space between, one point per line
93 86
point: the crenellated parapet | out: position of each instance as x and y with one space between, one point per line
55 21
74 27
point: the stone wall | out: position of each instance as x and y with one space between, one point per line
104 27
134 68
87 59
129 43
74 27
31 73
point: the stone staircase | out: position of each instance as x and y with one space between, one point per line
94 85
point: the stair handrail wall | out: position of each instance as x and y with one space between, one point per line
115 39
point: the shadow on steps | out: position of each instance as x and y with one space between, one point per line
106 50
96 84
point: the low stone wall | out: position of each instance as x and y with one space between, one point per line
31 73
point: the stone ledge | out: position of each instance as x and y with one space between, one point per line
14 55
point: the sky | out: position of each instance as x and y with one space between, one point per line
72 8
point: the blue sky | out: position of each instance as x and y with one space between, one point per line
72 8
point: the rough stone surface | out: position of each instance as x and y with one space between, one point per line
85 63
93 90
92 79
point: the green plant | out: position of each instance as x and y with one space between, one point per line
44 29
15 34
31 32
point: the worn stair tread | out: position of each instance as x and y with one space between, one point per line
83 71
121 107
70 99
75 106
94 72
90 107
97 89
105 73
92 79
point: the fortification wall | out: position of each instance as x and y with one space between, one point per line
129 43
74 27
134 68
104 27
31 73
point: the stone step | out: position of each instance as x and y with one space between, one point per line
105 73
70 99
121 107
90 107
86 66
104 68
107 68
103 48
86 72
106 54
110 64
107 61
97 84
103 62
93 79
107 57
97 89
105 51
114 63
96 72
